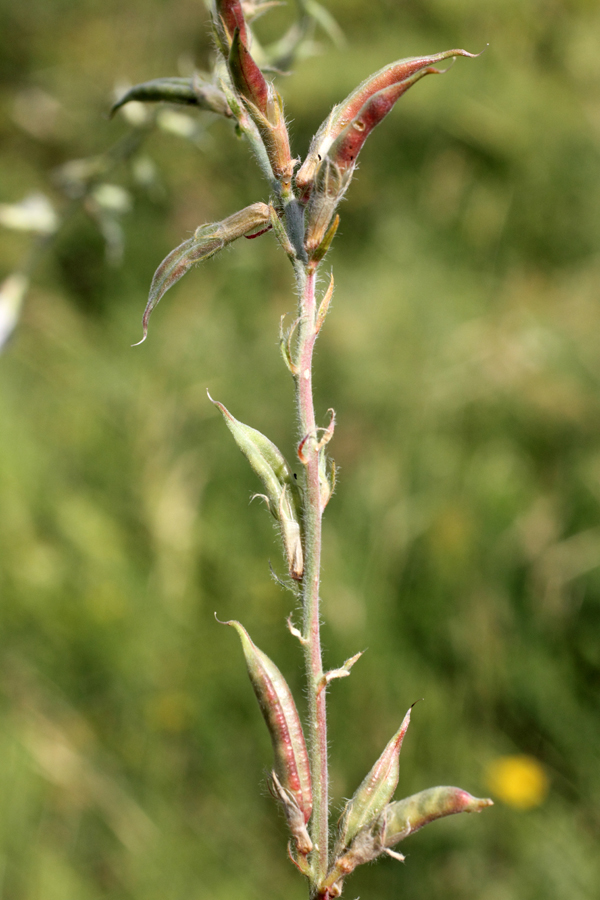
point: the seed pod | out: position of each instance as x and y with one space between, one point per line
194 91
396 822
375 792
406 816
265 107
272 468
343 114
350 141
229 15
246 75
207 240
292 769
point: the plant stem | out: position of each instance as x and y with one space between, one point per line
309 455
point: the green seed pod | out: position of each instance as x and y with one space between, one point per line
406 816
207 240
375 792
396 822
194 91
277 705
272 468
265 107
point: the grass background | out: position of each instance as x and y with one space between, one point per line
463 543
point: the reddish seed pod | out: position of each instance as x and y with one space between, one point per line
375 792
346 112
349 143
247 77
265 107
277 705
231 14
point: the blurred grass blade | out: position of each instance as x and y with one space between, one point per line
323 17
12 294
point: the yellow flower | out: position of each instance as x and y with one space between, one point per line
519 781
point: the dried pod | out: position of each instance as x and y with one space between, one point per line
375 792
207 240
292 781
342 115
406 816
272 468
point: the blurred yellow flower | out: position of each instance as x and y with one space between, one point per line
519 781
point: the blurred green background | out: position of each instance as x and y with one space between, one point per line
463 544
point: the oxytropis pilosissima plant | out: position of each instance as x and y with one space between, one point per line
302 214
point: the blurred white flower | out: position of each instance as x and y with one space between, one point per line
178 123
112 198
12 293
34 213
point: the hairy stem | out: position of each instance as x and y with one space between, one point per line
309 456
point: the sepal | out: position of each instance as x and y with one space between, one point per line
330 185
